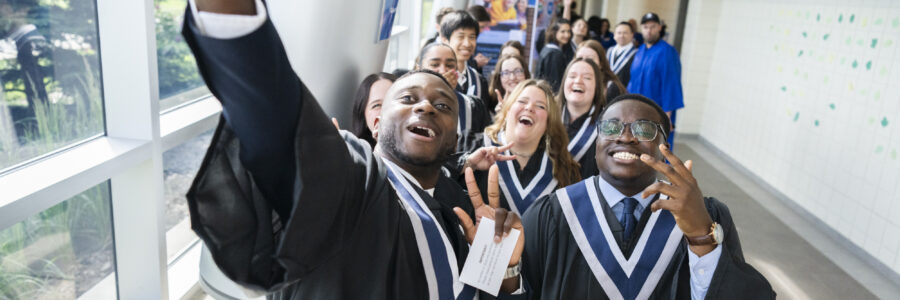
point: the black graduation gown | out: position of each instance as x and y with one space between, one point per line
532 168
554 267
340 233
551 66
470 139
625 73
588 162
481 86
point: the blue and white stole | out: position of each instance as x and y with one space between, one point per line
438 257
465 114
520 198
585 137
472 81
636 277
617 59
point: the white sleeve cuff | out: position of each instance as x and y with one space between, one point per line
702 269
224 26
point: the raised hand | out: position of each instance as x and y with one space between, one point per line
685 198
504 220
481 60
230 7
485 157
336 125
452 76
499 100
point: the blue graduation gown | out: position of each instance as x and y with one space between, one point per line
656 74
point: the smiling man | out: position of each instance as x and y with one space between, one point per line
288 205
460 30
626 235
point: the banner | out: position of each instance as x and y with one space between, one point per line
510 20
544 12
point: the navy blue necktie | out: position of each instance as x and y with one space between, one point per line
628 220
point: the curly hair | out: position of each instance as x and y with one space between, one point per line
556 141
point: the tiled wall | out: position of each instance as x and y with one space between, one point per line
806 95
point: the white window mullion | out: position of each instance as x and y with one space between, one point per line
131 94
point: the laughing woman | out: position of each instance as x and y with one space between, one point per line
528 143
473 114
582 97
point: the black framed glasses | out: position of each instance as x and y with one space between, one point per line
642 130
517 72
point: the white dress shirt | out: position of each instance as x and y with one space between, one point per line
702 268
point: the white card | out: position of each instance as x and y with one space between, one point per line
487 261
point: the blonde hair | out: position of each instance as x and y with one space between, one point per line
556 141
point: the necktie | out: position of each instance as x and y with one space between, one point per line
628 220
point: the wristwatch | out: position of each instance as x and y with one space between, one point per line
513 271
715 236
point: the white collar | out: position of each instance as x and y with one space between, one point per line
625 48
614 196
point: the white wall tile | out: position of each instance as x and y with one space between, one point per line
847 159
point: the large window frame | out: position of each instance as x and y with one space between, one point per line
130 154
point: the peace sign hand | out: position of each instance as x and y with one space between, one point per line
499 100
485 157
685 198
504 220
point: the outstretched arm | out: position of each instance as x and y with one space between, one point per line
277 150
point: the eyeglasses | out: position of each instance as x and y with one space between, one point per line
643 130
517 72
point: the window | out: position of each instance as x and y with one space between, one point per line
180 164
62 252
179 80
50 91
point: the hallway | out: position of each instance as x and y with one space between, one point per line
800 261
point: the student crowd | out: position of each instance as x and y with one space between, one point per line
570 154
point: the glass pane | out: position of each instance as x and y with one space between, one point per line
50 87
61 252
179 81
427 16
180 164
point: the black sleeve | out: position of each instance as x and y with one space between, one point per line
556 66
485 89
277 149
625 73
539 226
734 278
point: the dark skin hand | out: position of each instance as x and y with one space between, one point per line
231 7
685 198
504 220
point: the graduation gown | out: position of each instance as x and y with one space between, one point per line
555 268
551 66
336 229
511 174
586 141
476 85
620 63
656 74
474 116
